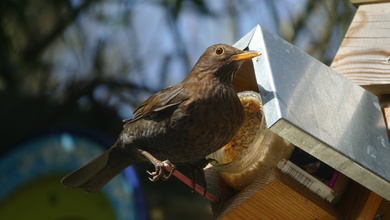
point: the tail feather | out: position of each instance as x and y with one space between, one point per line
94 175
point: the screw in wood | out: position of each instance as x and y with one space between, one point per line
387 60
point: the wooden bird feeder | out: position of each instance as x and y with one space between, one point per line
331 113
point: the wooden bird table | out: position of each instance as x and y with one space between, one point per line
364 59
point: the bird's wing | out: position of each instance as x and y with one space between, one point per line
159 104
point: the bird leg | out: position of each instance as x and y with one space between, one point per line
159 167
193 176
198 167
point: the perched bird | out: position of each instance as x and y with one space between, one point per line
182 123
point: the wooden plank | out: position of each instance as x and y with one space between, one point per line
353 201
386 112
370 208
359 203
384 210
385 105
359 2
283 198
364 54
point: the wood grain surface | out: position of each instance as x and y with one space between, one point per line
364 54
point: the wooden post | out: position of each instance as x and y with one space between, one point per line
364 54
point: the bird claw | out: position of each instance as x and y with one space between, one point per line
160 167
159 172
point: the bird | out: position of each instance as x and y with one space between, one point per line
182 123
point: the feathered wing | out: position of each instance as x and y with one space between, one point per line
158 104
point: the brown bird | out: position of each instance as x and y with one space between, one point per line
182 123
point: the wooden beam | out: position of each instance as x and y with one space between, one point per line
359 2
384 210
385 106
364 54
359 203
283 198
371 207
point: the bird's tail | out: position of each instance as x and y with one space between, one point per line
94 175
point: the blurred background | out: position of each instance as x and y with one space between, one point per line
86 64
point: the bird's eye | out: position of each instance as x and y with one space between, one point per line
219 51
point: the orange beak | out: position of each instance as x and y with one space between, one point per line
246 55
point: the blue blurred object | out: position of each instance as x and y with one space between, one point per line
62 151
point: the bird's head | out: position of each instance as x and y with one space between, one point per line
221 61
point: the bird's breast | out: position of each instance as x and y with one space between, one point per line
207 122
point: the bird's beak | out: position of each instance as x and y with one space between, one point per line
245 55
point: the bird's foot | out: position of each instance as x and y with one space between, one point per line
160 168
